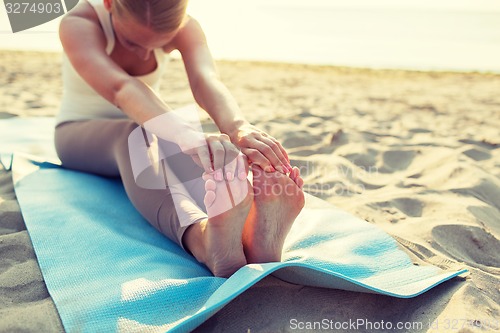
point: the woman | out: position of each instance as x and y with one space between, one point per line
114 58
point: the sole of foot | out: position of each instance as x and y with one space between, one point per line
278 199
216 241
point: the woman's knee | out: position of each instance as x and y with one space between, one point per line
122 130
63 143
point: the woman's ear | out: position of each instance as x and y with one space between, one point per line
107 5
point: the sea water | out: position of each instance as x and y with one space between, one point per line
413 34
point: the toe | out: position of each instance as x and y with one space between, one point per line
300 182
210 185
294 174
242 167
209 199
206 176
210 196
242 175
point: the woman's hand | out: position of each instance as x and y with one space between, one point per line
216 155
261 149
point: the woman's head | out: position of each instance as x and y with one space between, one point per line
158 15
143 25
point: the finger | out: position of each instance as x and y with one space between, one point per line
286 162
204 156
275 146
217 152
197 161
283 151
240 188
230 160
242 166
258 158
264 147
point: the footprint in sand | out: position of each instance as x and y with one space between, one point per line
410 207
488 216
400 208
477 154
470 244
397 160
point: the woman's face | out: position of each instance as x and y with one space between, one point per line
137 38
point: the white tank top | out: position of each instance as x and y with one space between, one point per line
80 101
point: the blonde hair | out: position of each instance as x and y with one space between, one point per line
158 15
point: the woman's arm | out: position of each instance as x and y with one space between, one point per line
213 96
84 43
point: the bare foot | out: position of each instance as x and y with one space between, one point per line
278 199
216 241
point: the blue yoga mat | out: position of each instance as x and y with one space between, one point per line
108 270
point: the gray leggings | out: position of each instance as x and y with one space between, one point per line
100 146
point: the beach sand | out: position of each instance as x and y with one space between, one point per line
415 153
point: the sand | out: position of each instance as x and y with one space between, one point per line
415 153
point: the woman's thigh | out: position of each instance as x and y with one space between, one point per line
100 146
91 145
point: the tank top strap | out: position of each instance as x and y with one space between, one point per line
105 20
